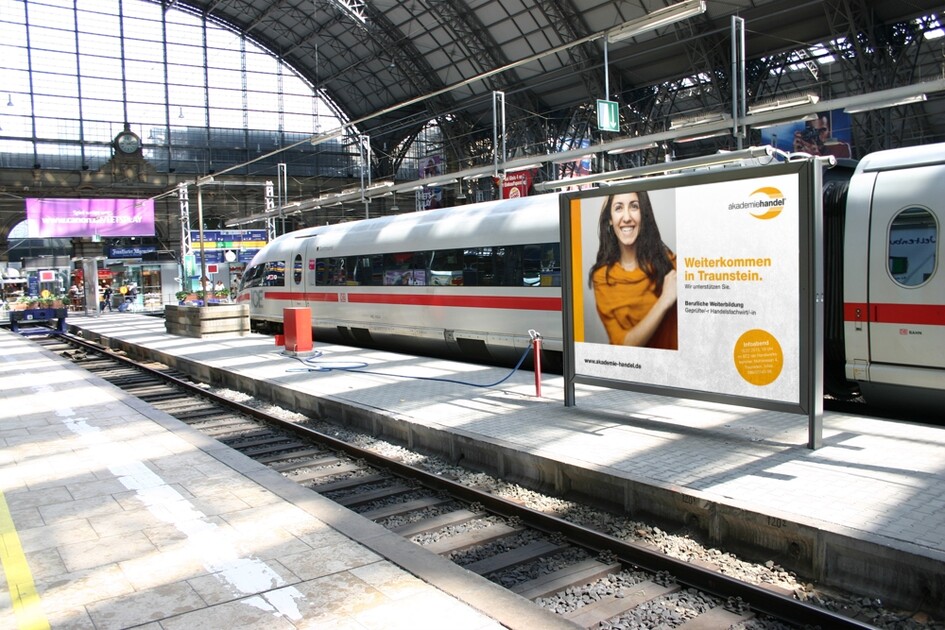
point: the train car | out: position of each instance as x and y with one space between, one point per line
469 281
893 283
472 281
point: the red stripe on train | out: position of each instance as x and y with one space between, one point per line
919 314
405 299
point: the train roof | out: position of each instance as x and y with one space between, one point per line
905 157
532 219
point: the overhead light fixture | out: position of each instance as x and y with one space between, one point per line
705 136
656 19
578 158
694 121
642 147
523 167
325 137
784 102
881 104
781 121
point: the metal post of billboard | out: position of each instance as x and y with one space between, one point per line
739 98
815 402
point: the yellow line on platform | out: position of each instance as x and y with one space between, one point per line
26 603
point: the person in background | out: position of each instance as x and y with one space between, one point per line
106 299
74 297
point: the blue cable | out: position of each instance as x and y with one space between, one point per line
357 368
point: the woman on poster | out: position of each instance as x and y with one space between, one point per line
634 276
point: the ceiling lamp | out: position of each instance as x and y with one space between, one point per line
889 102
694 121
789 119
704 136
784 102
656 19
642 147
523 167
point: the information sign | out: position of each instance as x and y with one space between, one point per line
608 116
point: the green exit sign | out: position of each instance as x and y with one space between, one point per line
608 118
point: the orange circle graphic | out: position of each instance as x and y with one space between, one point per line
758 357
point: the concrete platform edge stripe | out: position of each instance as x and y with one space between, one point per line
27 606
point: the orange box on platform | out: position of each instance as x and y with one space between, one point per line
297 325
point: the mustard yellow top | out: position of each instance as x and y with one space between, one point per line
624 298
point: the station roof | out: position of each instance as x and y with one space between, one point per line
379 60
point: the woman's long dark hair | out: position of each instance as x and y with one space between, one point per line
652 254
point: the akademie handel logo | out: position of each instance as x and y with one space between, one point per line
766 203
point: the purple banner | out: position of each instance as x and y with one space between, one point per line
54 218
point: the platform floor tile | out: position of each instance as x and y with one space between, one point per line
123 523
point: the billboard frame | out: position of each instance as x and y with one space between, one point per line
807 396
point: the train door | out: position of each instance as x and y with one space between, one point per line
906 283
310 271
297 286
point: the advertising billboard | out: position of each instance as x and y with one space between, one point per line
62 218
695 286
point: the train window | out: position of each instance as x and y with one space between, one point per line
321 272
297 269
540 265
369 270
404 269
913 236
513 268
507 265
446 267
273 274
252 277
337 271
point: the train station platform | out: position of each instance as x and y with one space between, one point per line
115 515
866 509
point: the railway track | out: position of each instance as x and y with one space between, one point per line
539 556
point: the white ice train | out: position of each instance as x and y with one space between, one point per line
472 281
